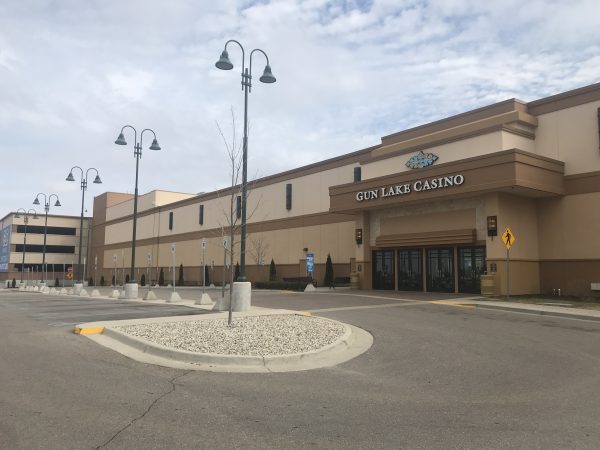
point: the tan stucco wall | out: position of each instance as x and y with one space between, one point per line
571 135
453 151
568 227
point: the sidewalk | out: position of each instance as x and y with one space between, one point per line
529 308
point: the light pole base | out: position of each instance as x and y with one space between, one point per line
77 287
131 291
242 294
204 300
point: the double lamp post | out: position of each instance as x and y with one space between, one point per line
47 200
131 287
267 77
25 221
84 184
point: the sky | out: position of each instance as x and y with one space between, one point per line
73 73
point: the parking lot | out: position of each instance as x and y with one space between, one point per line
437 376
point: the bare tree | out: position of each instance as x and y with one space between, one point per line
231 218
231 222
259 250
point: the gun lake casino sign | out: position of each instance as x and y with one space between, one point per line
417 161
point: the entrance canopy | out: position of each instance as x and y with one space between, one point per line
513 171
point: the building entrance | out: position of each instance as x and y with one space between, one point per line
440 270
383 269
410 270
471 265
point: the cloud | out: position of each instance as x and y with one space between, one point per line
348 72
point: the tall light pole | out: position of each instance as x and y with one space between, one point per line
25 221
267 77
137 154
47 200
84 184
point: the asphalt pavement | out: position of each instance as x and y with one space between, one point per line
437 376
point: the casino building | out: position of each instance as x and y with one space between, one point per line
424 210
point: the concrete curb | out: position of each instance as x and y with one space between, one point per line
538 311
354 342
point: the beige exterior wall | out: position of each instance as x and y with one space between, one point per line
550 215
51 239
453 151
571 135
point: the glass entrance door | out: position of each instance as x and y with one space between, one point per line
471 264
440 270
410 270
383 269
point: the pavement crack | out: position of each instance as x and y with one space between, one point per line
141 416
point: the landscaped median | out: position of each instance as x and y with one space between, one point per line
259 340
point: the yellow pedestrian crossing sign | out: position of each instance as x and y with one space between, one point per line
508 238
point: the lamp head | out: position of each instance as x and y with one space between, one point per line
267 76
223 63
57 203
35 216
70 177
121 140
154 145
97 180
36 201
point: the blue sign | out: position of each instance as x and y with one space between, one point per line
5 248
310 262
421 160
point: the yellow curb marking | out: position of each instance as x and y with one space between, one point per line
305 313
90 330
453 303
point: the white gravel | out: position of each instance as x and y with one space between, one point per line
249 336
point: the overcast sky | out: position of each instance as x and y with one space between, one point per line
73 72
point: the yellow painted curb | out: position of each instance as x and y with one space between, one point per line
305 313
453 303
90 330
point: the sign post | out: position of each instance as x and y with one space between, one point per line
95 270
224 264
310 263
115 270
509 239
173 252
149 261
203 266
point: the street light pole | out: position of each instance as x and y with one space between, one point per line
25 221
47 200
84 184
137 154
267 77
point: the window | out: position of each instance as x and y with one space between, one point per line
357 174
201 215
39 229
238 206
36 248
171 220
288 196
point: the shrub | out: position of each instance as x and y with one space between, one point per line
180 280
328 281
206 276
113 281
281 285
14 283
161 277
56 283
90 282
272 271
102 282
143 280
127 278
237 271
